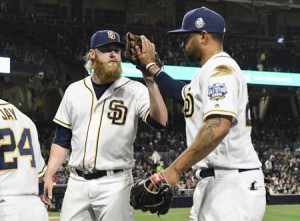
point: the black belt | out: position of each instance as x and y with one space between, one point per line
211 172
95 175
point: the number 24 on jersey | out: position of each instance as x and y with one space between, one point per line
11 149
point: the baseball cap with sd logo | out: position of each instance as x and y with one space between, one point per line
105 37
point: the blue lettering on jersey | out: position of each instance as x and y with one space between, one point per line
217 91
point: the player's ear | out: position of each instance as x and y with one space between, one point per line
204 37
92 53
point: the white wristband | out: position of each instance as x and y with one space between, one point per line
148 66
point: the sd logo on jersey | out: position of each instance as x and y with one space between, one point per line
188 108
117 112
217 91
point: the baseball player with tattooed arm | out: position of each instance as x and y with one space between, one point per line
97 120
21 167
218 126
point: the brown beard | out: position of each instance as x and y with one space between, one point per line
106 73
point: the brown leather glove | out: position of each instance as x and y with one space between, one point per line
130 55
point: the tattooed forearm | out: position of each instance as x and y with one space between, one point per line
212 133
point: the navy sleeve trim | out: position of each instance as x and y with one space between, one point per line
63 136
153 123
170 86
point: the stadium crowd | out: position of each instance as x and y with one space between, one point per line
250 51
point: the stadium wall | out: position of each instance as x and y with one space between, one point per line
180 201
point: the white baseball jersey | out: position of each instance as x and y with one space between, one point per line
103 131
21 162
219 88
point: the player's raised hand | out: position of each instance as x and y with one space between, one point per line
141 52
148 59
146 53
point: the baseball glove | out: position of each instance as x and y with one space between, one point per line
159 201
133 40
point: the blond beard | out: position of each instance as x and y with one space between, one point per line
106 73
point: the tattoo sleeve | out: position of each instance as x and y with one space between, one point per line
207 136
212 133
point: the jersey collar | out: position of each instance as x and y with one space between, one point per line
220 54
110 91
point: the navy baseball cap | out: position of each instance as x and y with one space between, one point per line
105 37
201 19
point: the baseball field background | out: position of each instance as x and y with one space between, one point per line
273 213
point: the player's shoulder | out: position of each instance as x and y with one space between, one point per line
76 84
130 87
223 63
127 82
223 59
17 111
6 104
220 58
77 87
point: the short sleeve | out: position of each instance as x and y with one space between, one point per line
184 91
143 103
221 95
62 116
39 160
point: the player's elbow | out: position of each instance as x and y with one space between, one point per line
157 124
221 124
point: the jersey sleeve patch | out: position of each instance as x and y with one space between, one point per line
217 91
222 70
221 96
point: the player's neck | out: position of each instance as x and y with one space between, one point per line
211 51
217 52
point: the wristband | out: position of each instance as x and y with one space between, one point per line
41 188
148 66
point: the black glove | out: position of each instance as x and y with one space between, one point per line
153 194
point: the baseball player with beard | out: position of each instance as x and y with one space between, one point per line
218 125
97 120
21 167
